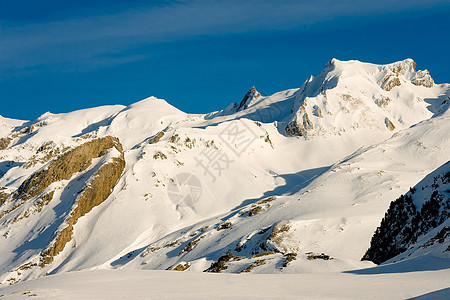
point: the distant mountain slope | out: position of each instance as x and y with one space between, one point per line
322 221
417 221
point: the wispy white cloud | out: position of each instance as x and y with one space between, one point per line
80 39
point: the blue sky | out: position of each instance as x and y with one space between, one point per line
200 56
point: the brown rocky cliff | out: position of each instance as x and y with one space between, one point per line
96 191
66 165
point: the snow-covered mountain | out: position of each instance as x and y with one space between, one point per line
294 182
347 96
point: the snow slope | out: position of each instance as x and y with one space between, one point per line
294 182
336 213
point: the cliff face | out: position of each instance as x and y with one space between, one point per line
63 168
99 162
412 216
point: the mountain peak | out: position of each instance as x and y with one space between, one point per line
249 99
334 62
339 98
403 67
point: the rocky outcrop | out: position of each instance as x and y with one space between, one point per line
422 78
407 219
157 137
61 168
407 69
389 124
390 81
3 195
395 70
4 143
94 194
181 267
300 124
383 101
66 165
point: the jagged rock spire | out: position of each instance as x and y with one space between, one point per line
251 95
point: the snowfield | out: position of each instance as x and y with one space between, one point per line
138 284
291 186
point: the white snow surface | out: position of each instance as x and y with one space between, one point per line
138 284
330 188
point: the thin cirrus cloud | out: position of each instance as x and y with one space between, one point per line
107 39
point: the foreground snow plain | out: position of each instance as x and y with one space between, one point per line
138 284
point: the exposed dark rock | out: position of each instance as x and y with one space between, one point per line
389 82
248 98
3 196
159 155
300 124
255 211
157 137
289 257
181 267
220 264
313 256
4 143
223 226
389 124
257 263
63 167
